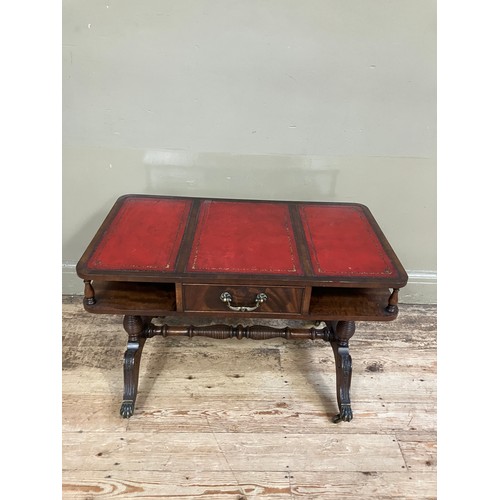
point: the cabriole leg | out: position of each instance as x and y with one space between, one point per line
134 326
342 331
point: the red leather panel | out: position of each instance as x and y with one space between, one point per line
342 242
145 235
244 237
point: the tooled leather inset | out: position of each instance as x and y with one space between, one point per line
325 263
141 247
208 251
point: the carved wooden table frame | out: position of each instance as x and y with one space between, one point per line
180 274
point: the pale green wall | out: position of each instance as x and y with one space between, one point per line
279 99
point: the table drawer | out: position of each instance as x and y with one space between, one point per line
243 299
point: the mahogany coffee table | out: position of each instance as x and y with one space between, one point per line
161 256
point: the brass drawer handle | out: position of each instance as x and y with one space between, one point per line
227 299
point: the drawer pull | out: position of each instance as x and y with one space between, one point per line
227 299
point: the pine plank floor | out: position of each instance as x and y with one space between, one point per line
243 419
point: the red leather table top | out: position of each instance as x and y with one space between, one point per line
167 238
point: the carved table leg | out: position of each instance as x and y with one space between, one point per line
342 331
134 326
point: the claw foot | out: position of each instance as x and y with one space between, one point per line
127 409
345 414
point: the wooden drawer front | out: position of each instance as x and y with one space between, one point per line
207 298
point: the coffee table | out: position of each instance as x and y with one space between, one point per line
163 257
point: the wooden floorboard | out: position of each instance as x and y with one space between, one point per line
249 419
